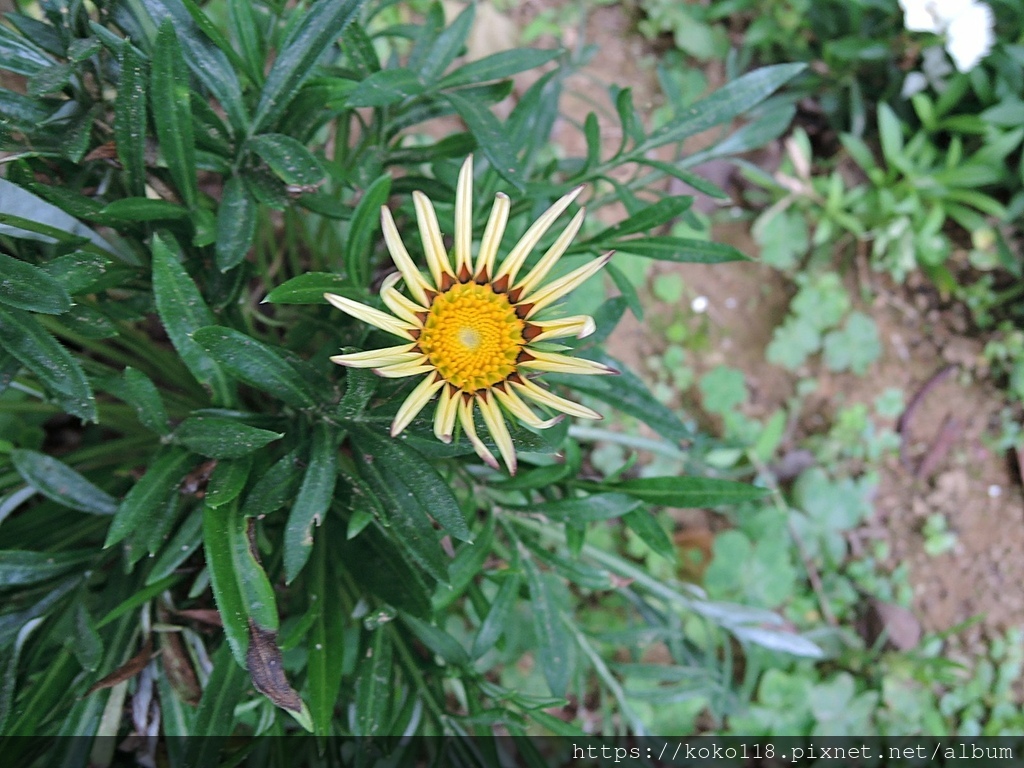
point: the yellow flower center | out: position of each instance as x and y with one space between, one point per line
472 336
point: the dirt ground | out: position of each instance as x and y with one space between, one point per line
946 467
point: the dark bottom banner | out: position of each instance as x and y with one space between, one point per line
482 751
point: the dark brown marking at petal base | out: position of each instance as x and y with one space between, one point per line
464 274
500 285
531 331
447 281
514 294
522 310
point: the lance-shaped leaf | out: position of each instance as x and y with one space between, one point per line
257 364
25 339
56 480
172 111
236 224
130 119
319 27
222 438
183 311
688 492
314 499
28 287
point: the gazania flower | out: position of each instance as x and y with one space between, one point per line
476 329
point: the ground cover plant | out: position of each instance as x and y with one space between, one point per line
207 527
901 163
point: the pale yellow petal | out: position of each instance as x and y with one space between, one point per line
372 316
553 254
514 405
538 395
493 233
403 307
579 326
415 402
444 416
563 285
414 279
376 358
464 218
514 261
555 362
466 420
400 371
499 430
430 234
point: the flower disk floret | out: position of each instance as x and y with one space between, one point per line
474 329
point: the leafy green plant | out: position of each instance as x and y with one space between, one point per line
215 512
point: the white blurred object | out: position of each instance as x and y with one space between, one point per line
967 25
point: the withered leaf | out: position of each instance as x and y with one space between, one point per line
177 664
126 671
264 661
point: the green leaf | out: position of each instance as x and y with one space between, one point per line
309 288
206 60
406 523
25 338
227 482
378 565
56 480
318 28
236 224
373 686
855 347
147 501
446 46
19 55
219 547
381 89
598 506
215 718
172 112
688 492
326 637
365 224
29 217
183 311
276 487
502 609
629 394
82 272
86 643
141 393
313 501
144 209
490 135
438 641
659 214
23 567
425 491
222 438
290 160
498 66
256 364
246 30
723 105
553 638
179 548
678 249
130 119
28 287
699 183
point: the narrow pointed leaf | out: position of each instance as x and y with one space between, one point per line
222 438
314 499
130 119
56 480
25 286
256 364
236 224
688 492
25 339
172 112
148 498
319 27
183 311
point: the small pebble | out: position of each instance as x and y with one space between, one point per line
699 304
